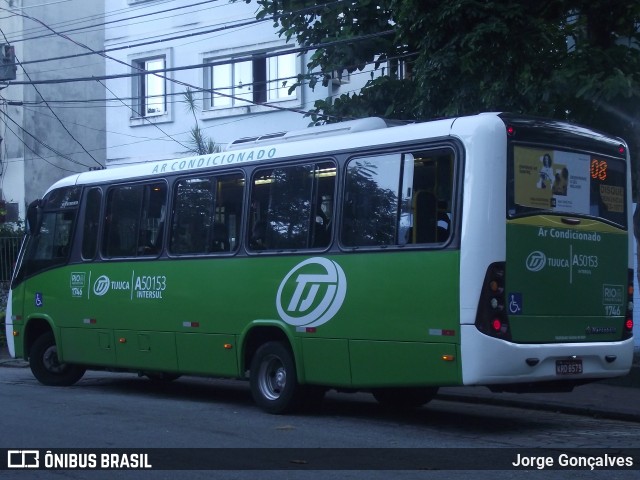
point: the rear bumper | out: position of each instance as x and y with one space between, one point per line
490 361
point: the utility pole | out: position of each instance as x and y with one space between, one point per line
7 72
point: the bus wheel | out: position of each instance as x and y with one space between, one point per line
404 397
274 385
45 366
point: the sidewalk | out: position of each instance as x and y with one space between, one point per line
615 399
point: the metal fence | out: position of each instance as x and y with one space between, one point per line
9 247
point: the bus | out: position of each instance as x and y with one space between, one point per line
490 250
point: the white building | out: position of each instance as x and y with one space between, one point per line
147 118
50 130
118 114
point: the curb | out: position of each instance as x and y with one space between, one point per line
13 363
540 405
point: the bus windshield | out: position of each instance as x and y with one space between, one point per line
50 246
567 182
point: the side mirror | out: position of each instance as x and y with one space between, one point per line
34 217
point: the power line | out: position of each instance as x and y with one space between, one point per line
54 113
7 117
159 40
149 121
158 72
143 44
37 154
274 81
103 24
36 30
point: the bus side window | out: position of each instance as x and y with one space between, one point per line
192 212
432 196
91 224
398 199
425 223
227 213
370 208
291 207
134 220
206 215
151 229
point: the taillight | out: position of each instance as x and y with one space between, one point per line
627 330
491 318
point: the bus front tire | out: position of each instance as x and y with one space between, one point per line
45 366
404 397
273 380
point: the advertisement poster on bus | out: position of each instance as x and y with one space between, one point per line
552 179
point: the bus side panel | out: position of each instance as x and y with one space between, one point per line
207 354
388 364
89 347
146 349
483 230
326 361
401 316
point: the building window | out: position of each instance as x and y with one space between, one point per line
150 90
250 82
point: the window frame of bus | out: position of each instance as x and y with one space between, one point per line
39 211
453 150
105 230
94 236
318 163
216 177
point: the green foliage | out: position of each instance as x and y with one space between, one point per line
12 229
199 143
574 60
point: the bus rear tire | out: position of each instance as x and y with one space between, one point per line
404 397
273 380
45 366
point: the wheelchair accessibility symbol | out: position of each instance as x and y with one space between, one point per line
39 300
515 303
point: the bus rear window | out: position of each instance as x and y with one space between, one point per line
567 182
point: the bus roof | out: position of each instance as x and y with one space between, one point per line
294 144
368 132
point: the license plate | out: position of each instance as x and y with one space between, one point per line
569 367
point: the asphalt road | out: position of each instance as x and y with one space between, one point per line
107 410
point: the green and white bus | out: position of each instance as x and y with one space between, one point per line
484 250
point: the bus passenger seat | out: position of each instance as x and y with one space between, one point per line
426 207
258 236
444 226
220 238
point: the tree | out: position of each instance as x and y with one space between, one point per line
199 143
575 60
